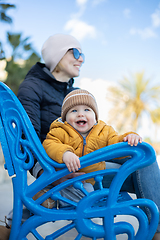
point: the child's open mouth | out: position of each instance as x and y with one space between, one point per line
81 122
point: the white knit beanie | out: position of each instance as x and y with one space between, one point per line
55 47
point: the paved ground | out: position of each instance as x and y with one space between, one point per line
5 199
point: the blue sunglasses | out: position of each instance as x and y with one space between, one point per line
77 54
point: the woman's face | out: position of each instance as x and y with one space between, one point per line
69 67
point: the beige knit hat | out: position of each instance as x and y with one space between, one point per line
78 97
55 47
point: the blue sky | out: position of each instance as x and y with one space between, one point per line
118 37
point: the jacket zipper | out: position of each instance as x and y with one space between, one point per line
84 144
83 138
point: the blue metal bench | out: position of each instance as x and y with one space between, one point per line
21 144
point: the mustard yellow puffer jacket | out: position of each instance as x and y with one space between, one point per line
63 137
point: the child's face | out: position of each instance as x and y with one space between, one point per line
82 118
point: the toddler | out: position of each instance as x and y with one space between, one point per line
79 132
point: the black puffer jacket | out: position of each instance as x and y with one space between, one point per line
42 95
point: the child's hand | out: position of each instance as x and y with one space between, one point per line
132 139
72 161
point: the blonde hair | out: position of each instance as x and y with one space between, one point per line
57 69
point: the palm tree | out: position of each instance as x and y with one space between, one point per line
23 57
3 9
132 99
6 19
20 47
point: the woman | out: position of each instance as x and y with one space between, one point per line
42 93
